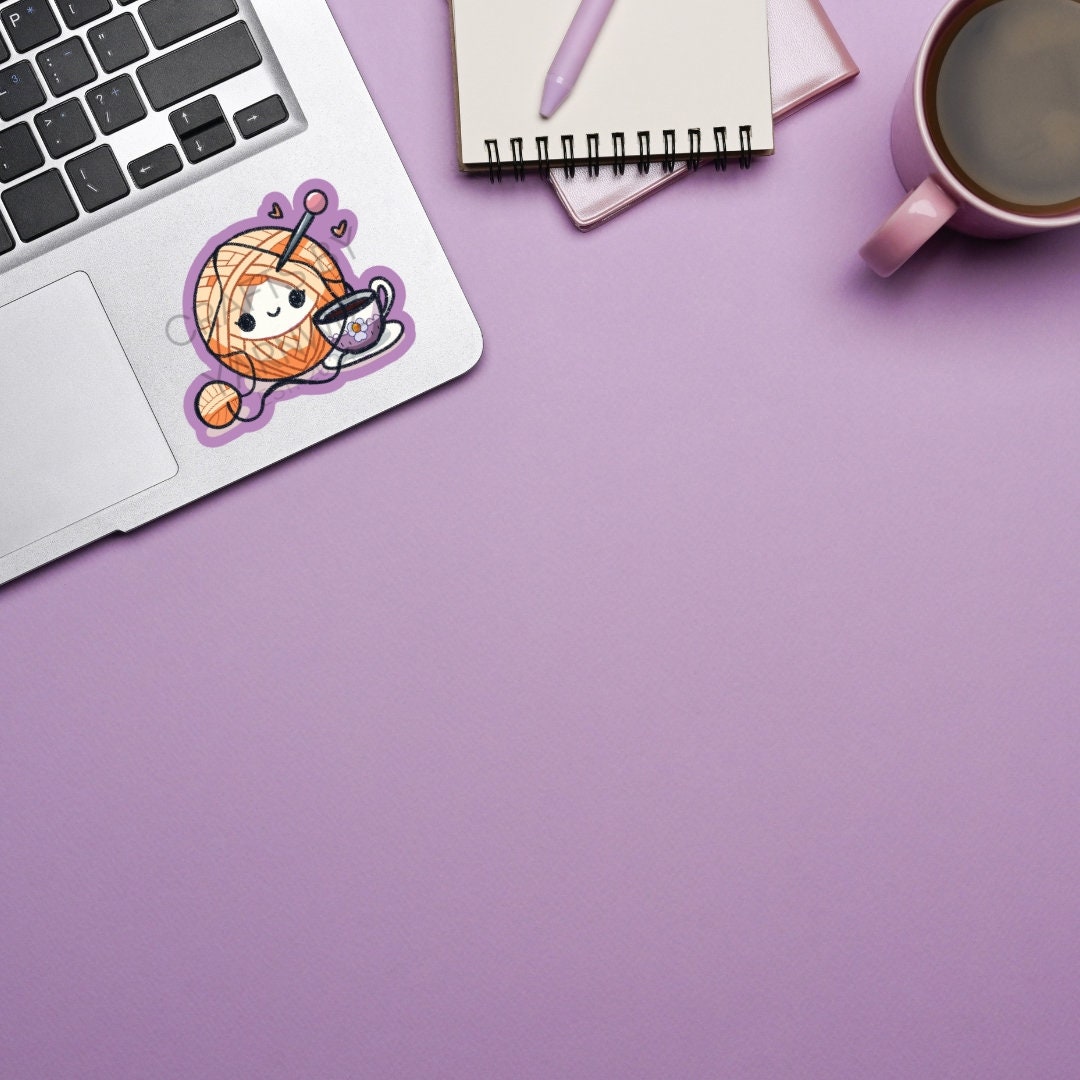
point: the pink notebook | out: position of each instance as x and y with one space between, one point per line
806 59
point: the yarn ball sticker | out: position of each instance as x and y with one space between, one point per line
281 312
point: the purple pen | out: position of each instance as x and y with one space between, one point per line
573 52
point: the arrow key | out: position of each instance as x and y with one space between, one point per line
208 141
155 166
196 115
261 116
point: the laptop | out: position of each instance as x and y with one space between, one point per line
210 258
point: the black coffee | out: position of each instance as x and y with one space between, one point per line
346 306
1003 103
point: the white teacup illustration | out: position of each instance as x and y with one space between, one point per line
356 322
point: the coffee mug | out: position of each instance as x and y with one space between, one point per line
356 321
986 132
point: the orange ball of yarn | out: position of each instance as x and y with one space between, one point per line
218 404
244 262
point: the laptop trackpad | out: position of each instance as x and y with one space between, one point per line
76 432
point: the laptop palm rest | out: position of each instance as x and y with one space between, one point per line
76 433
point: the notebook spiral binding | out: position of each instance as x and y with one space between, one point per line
644 158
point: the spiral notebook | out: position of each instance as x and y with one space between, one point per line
807 58
668 82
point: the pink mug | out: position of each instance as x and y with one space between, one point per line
936 195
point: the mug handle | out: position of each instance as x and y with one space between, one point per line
914 221
380 285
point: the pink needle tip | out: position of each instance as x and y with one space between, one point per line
315 202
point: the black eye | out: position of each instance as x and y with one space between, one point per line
246 322
297 298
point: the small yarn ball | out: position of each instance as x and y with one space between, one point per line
218 404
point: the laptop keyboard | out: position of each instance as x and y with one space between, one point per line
81 85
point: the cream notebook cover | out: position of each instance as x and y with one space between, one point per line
665 80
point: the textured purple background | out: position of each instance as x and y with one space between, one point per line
691 691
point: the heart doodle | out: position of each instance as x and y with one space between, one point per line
276 212
340 229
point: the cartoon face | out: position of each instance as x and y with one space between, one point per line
272 309
257 318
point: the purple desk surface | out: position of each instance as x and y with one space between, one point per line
691 691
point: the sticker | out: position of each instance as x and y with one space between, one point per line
281 313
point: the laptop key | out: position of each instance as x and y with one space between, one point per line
156 166
97 179
196 115
64 129
39 205
202 129
260 117
30 23
66 66
199 65
208 141
5 52
170 21
116 104
78 13
7 241
19 153
118 43
19 90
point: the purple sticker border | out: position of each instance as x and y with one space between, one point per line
320 231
